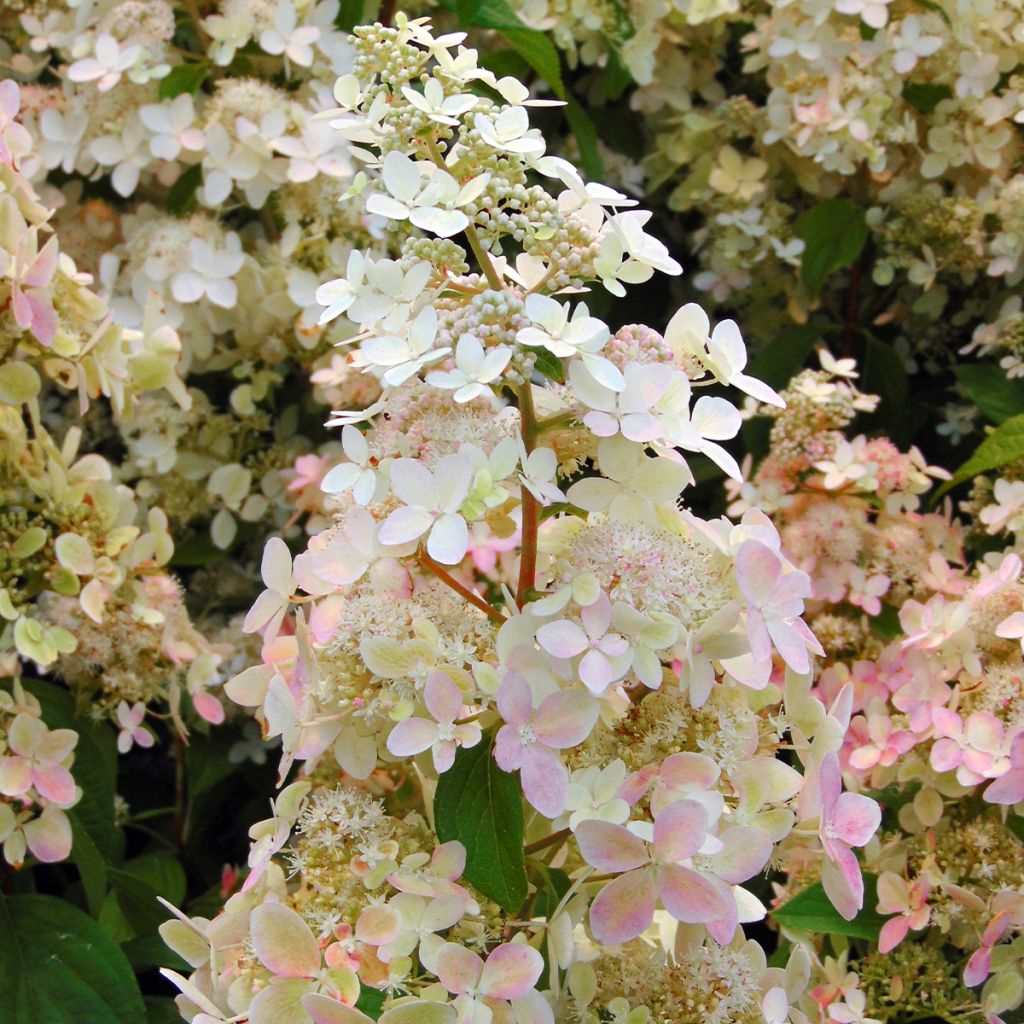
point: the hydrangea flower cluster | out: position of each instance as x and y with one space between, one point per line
84 588
219 221
507 571
928 647
905 117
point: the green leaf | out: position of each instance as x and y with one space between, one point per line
184 78
1015 823
812 913
145 952
586 138
480 805
776 364
886 624
926 96
784 357
884 373
616 78
549 365
996 395
539 52
195 550
181 199
350 14
162 872
162 1010
552 884
834 233
138 884
370 1001
504 61
1003 445
58 967
89 862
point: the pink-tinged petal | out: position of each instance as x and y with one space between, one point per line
511 971
545 780
280 1002
458 968
723 929
58 743
378 924
442 697
945 755
679 831
596 672
610 848
562 639
21 308
44 318
532 1008
263 610
324 1010
449 860
790 645
515 700
443 755
54 782
624 908
947 723
842 881
508 749
978 967
687 771
830 783
207 707
746 851
15 775
565 719
284 942
49 836
41 271
758 570
855 819
893 932
597 617
692 897
984 731
758 637
1007 790
412 736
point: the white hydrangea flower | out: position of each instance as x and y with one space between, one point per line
475 369
431 502
173 128
289 38
211 273
579 335
108 63
399 358
426 195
